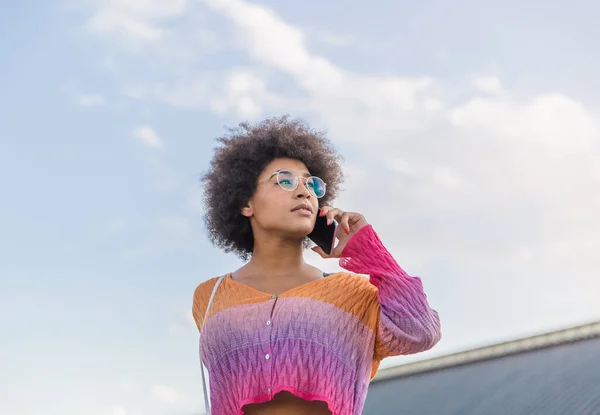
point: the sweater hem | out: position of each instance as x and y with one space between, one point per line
302 395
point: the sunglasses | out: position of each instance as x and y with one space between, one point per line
289 181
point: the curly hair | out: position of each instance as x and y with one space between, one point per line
236 165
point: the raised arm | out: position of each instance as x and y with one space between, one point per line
407 324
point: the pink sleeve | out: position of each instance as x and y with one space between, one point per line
407 323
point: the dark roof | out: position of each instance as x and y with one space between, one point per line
552 374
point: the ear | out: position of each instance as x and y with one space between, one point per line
247 210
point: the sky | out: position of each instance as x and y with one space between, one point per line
470 133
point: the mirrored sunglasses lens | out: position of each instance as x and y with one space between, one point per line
316 186
287 180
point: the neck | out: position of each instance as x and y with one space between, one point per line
275 257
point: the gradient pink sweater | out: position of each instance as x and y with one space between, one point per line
323 340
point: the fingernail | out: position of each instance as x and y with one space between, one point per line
347 231
329 221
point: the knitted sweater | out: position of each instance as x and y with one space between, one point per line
323 340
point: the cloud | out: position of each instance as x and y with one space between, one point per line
146 40
166 394
139 19
489 180
90 100
490 156
245 93
492 191
119 410
554 121
434 174
148 136
389 101
306 83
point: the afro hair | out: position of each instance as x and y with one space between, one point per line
240 159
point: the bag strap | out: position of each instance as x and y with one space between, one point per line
212 296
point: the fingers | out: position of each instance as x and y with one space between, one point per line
331 213
319 251
344 222
339 215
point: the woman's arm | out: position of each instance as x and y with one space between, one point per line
407 324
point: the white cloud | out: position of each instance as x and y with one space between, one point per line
434 174
499 187
119 410
166 394
361 102
245 93
113 21
553 121
167 36
351 105
499 155
272 41
90 100
139 19
508 182
148 136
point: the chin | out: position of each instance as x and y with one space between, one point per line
300 231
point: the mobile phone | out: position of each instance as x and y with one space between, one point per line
323 234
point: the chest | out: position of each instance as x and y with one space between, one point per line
285 323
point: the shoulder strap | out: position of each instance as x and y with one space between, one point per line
206 398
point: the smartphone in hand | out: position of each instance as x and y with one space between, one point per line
323 235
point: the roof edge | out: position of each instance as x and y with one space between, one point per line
540 341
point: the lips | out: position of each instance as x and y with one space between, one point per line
303 206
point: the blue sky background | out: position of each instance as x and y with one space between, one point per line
471 133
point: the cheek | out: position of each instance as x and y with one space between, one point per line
270 206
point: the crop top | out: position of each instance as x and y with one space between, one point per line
323 340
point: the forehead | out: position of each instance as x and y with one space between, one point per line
294 165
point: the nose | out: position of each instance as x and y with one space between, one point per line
302 192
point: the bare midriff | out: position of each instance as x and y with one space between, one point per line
285 403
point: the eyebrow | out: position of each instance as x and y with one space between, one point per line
305 174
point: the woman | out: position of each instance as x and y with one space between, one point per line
282 337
